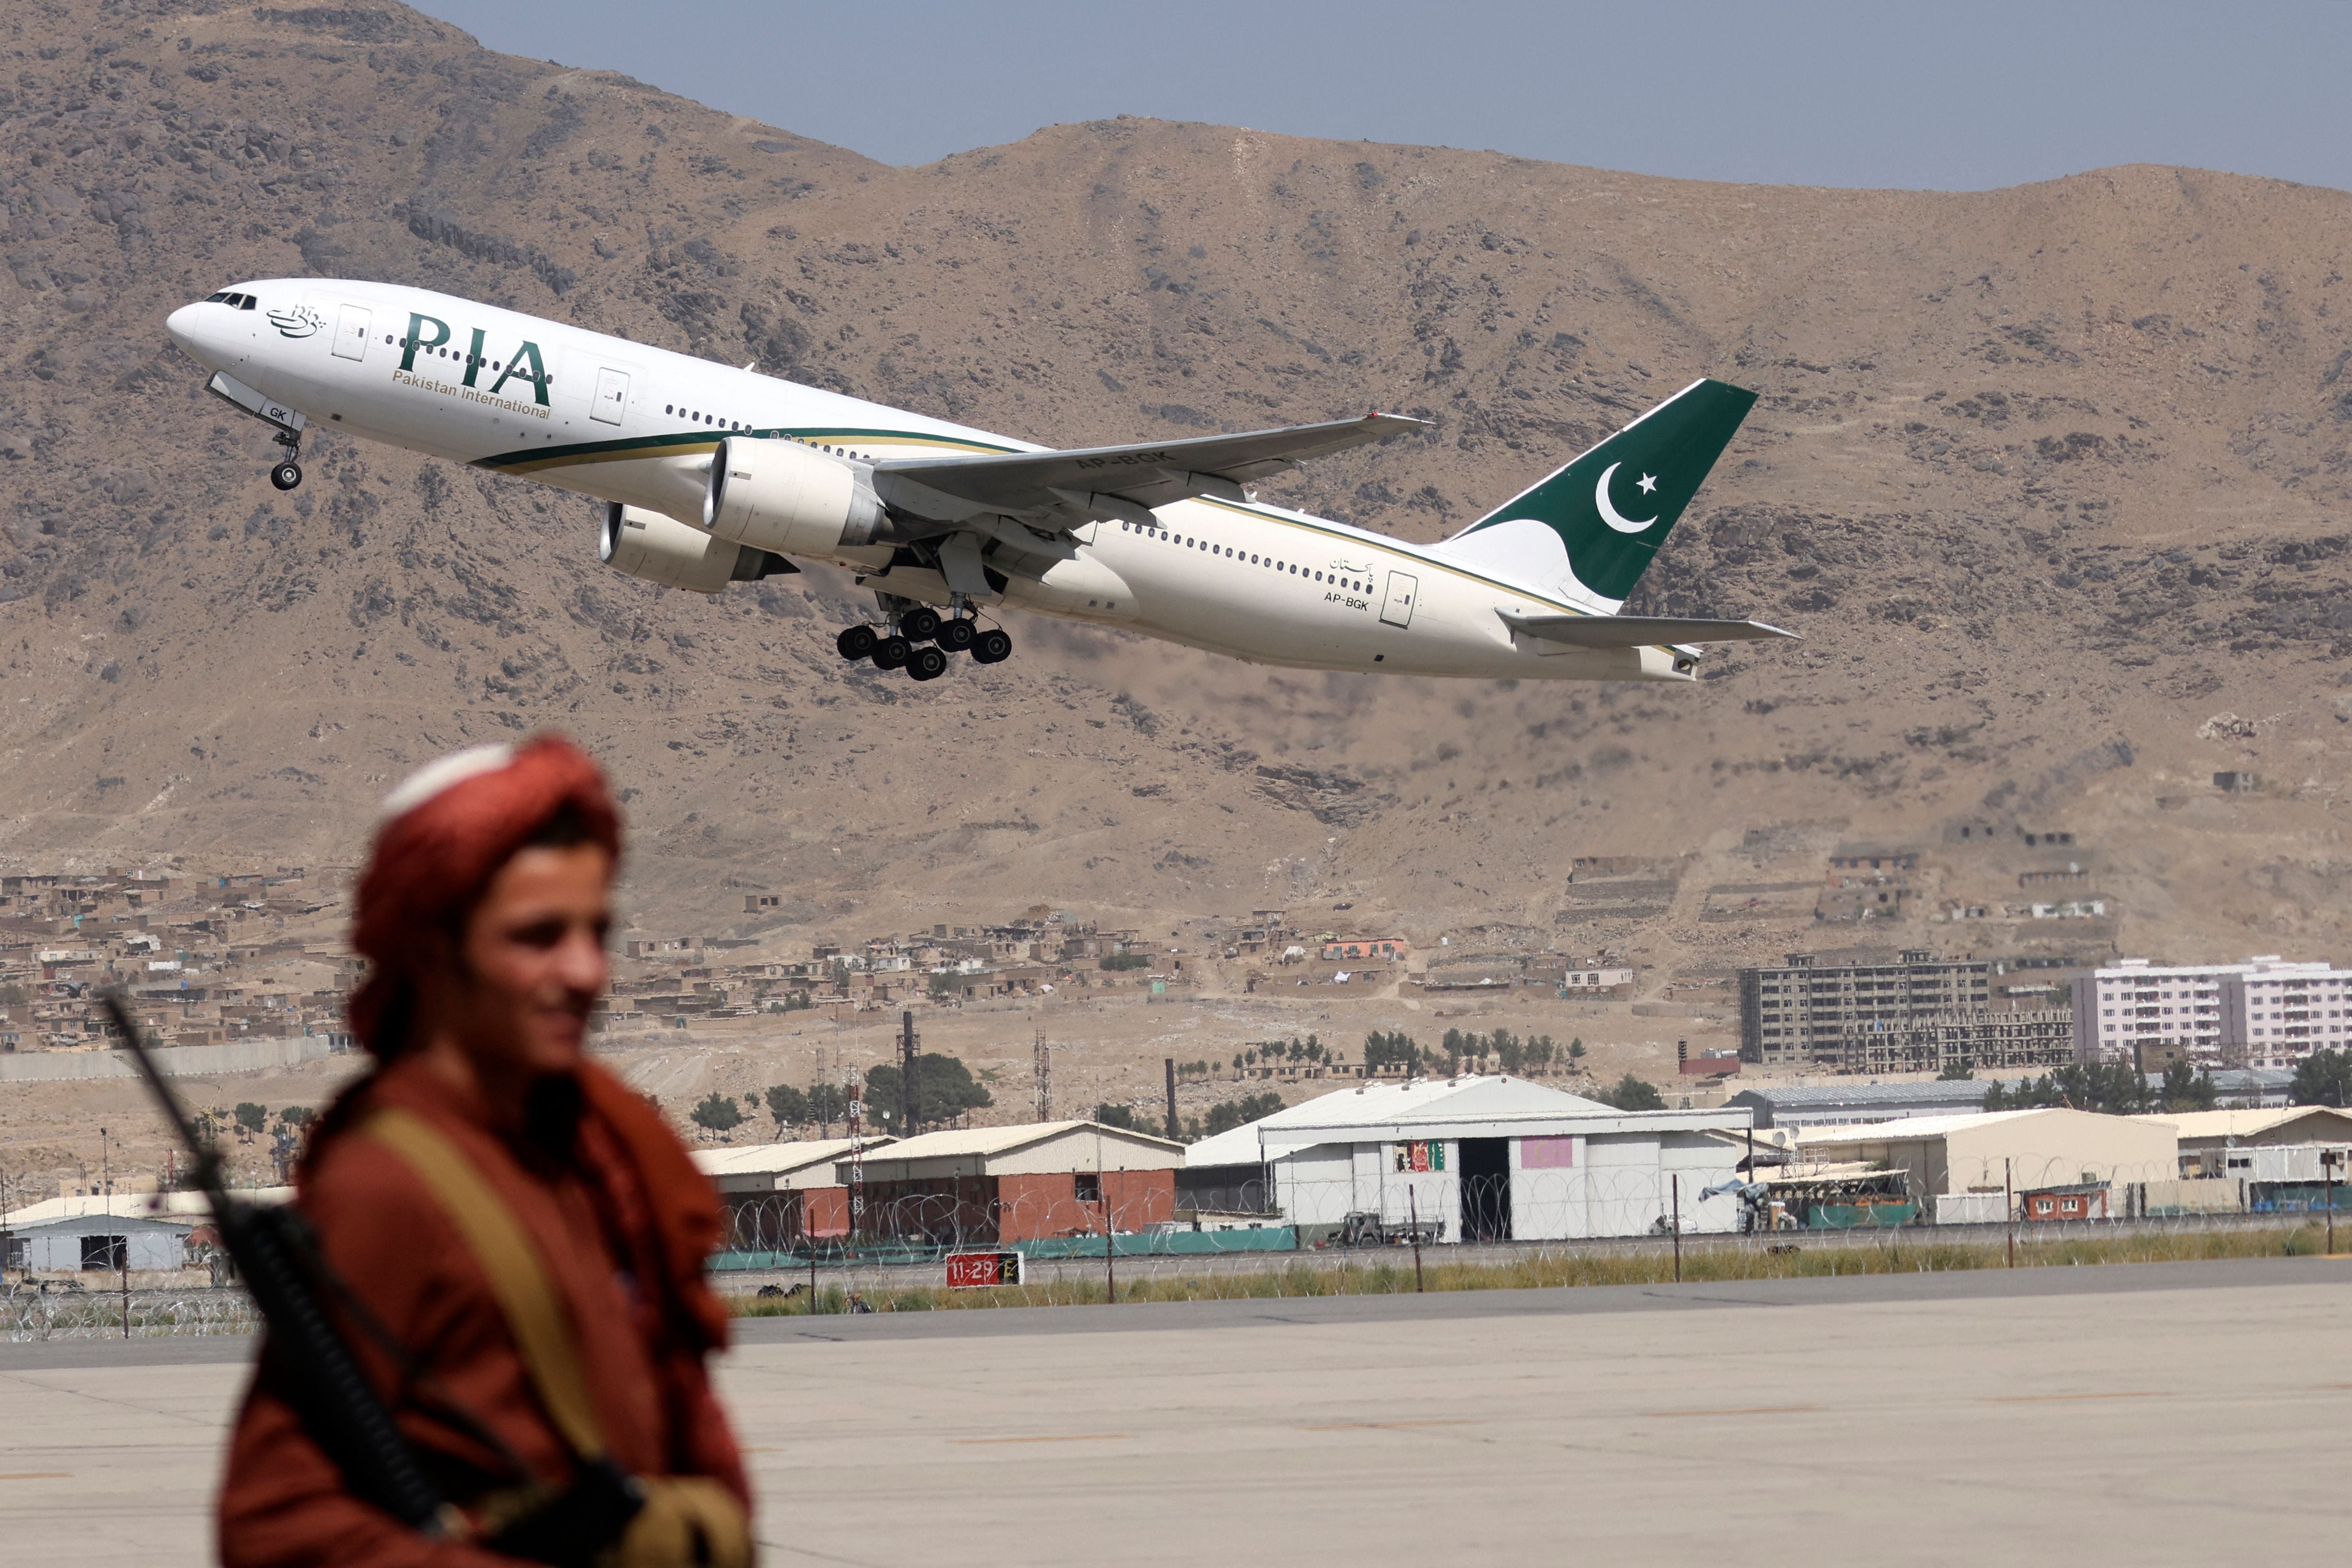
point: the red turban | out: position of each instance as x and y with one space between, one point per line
443 834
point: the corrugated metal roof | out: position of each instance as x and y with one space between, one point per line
2238 1124
775 1159
965 1143
1797 1097
1911 1128
1385 1104
188 1207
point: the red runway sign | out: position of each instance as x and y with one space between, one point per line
967 1270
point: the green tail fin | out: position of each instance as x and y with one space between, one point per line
1612 507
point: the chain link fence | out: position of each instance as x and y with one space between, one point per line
1403 1222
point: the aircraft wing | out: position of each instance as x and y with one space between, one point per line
1639 631
1062 490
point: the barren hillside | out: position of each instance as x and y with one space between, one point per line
2052 479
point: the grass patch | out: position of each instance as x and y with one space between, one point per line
1787 1256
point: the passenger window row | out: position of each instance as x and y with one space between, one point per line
445 352
697 416
1290 568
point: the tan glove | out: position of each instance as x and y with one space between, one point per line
687 1521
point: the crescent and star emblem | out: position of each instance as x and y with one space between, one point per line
1609 512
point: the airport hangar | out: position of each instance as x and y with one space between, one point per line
1488 1157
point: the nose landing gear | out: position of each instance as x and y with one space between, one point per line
286 422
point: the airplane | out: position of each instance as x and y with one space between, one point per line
710 476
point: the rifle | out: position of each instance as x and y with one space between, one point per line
277 1258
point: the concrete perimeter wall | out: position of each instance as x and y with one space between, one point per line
180 1061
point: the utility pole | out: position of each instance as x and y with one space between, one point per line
122 1259
1110 1234
1412 1219
857 1154
907 1073
2328 1158
1042 1057
1676 1182
2008 1205
1176 1130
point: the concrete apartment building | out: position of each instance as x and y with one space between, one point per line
2264 1013
1800 1014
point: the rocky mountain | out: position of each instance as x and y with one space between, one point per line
2053 480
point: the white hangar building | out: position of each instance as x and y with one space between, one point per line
1490 1158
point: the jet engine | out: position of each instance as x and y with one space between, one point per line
660 549
782 496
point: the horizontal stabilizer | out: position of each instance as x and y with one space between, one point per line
1639 631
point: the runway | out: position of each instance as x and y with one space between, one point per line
2113 1415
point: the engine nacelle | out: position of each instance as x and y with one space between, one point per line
785 497
660 549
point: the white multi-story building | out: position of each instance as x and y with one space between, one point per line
2264 1013
2274 1015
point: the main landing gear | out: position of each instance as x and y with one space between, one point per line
922 641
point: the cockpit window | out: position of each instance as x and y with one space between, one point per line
247 301
234 302
215 298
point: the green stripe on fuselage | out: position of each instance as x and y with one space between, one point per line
690 443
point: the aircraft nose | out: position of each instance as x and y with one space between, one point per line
181 325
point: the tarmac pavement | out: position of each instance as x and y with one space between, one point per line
2116 1414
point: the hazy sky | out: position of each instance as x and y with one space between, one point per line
1954 96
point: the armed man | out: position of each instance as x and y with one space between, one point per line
509 1239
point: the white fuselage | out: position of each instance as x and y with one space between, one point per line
624 422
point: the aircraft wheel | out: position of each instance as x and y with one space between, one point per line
285 475
993 646
892 653
920 625
927 663
956 636
856 643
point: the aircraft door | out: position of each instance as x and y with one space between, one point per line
1396 607
612 396
352 333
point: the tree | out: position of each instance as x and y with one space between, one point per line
2322 1078
2109 1087
252 1118
1576 1049
295 1118
718 1112
2186 1088
1111 1115
1507 1048
1237 1064
1956 1072
1632 1093
1540 1051
827 1103
788 1105
945 1092
1254 1106
1382 1050
1117 961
